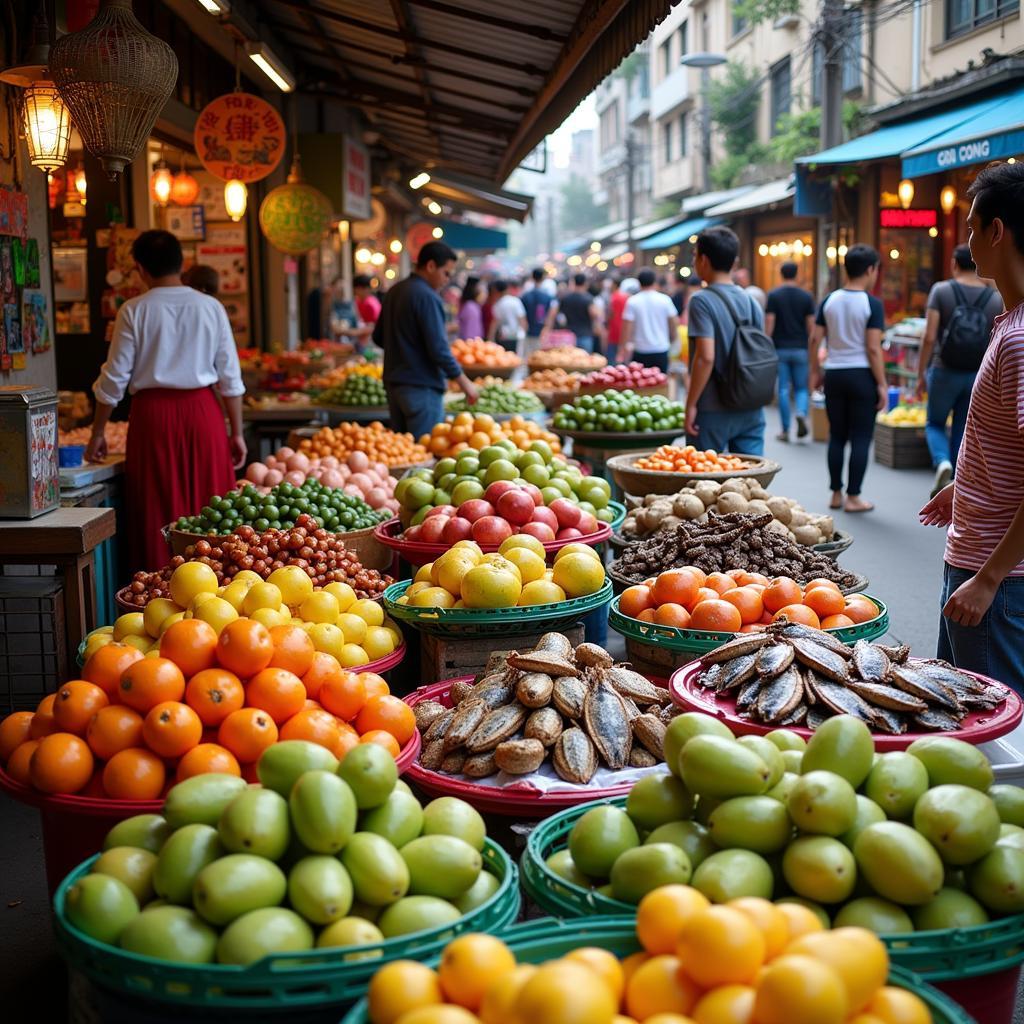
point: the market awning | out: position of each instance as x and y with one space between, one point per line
469 87
993 132
613 252
678 233
642 231
478 196
472 238
770 194
702 202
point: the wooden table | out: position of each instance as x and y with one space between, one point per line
66 538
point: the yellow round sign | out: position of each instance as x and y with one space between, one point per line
239 136
294 217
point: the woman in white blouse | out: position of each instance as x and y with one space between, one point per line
170 347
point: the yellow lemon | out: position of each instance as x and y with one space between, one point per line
217 612
156 611
327 638
369 611
320 606
530 565
522 540
129 624
344 593
189 579
352 655
293 583
261 595
353 627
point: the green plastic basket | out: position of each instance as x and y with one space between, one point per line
620 514
535 942
700 641
295 982
461 623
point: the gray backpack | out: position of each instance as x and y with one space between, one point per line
746 380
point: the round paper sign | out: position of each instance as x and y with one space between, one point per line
240 136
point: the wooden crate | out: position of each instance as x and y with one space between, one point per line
441 658
901 447
651 660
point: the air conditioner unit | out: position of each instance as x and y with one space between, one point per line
786 21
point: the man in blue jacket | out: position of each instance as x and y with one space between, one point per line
418 361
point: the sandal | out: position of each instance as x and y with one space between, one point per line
864 506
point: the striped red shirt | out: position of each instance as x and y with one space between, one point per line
990 467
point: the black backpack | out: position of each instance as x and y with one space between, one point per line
967 334
751 365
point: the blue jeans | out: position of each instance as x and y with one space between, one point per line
995 647
948 391
792 377
738 432
414 409
585 342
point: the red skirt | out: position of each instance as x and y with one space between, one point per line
177 458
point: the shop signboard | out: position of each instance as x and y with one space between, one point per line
962 154
356 184
240 136
890 218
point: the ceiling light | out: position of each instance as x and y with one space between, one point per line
595 246
843 250
81 184
390 273
267 61
363 255
215 6
947 199
160 183
419 181
47 126
692 239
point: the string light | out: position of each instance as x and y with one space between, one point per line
419 180
685 272
434 208
894 254
762 249
842 250
395 246
363 255
378 259
933 232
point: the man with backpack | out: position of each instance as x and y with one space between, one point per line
541 307
733 363
961 312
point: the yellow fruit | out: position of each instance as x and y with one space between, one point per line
352 655
576 548
564 993
448 570
248 577
328 638
271 617
234 593
378 642
490 586
662 913
205 596
800 920
522 540
369 611
438 1015
262 595
399 987
799 990
414 588
897 1006
217 612
170 621
530 565
501 562
423 573
320 606
721 946
660 1018
470 965
659 986
95 642
432 597
468 545
142 643
344 593
353 627
729 1004
294 584
392 627
579 574
189 579
129 624
156 611
500 997
605 965
768 919
858 956
110 629
541 592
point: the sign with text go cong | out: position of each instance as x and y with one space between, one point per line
963 154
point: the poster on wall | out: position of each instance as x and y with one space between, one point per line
211 196
224 249
186 223
70 278
35 328
13 212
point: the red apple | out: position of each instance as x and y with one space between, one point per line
475 508
542 514
457 529
491 530
497 489
440 510
413 533
541 531
588 523
432 529
566 512
516 506
568 533
534 492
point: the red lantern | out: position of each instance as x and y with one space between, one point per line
184 189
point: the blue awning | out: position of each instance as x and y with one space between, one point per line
678 233
990 134
470 238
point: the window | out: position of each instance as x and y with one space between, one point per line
666 58
739 23
610 125
684 41
644 79
965 15
782 92
853 57
684 140
666 138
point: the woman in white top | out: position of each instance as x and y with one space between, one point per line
851 320
170 347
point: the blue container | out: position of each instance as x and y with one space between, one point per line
894 397
70 455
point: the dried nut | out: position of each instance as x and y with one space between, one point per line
480 766
468 716
650 731
440 726
427 712
593 656
432 755
545 725
534 689
496 690
453 763
555 643
496 726
640 758
519 757
460 691
574 757
568 695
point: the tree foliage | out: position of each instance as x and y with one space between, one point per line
756 11
798 134
579 211
733 99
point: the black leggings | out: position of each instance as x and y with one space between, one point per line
659 360
850 399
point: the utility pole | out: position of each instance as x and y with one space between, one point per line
630 182
832 37
551 226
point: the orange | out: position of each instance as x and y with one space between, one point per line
799 990
75 705
836 622
721 946
62 763
384 739
112 729
632 962
780 592
753 577
244 647
134 774
797 613
107 665
191 644
390 714
747 602
399 987
898 1006
662 913
247 733
213 694
375 685
498 1002
470 964
314 725
172 729
824 601
717 616
675 586
19 761
704 594
800 920
660 986
633 600
672 615
768 919
561 992
205 758
820 581
858 956
605 965
149 682
699 573
293 649
860 608
647 615
322 668
13 732
343 694
277 691
346 740
719 582
729 1004
42 720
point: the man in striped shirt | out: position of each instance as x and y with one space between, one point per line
982 622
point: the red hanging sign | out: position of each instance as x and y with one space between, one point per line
240 136
889 218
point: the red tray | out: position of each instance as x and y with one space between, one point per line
492 799
417 552
978 727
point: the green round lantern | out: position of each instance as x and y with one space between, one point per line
294 216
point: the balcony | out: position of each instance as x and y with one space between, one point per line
612 157
672 179
670 92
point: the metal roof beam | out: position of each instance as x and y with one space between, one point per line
537 31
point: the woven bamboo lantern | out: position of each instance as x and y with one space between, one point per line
114 77
294 217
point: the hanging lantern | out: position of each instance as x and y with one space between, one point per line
81 183
295 216
236 198
47 126
947 199
160 182
905 190
184 189
114 77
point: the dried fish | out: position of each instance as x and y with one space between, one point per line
889 721
480 766
534 689
557 643
936 720
748 694
453 762
607 724
949 676
519 757
817 715
872 663
426 712
843 701
545 724
460 691
897 655
711 677
469 714
592 656
568 695
650 731
641 758
738 671
795 717
633 685
574 758
923 686
432 755
543 661
496 690
745 643
887 696
495 727
774 660
439 726
779 696
798 631
824 661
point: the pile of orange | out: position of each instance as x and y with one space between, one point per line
466 430
741 602
555 379
568 357
374 439
688 459
748 961
474 352
134 724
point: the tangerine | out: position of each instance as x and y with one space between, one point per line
898 1006
314 725
205 758
374 684
42 720
824 601
469 966
860 609
721 946
247 733
748 602
799 990
769 919
277 691
716 615
719 582
13 732
213 694
191 644
322 667
62 763
343 694
800 920
797 613
858 956
704 594
660 986
820 581
661 914
151 681
134 774
244 647
633 600
399 987
384 739
76 703
729 1004
605 965
562 992
672 615
347 739
172 729
390 714
780 592
107 665
19 761
293 650
836 622
112 729
647 615
675 586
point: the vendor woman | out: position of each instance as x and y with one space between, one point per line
170 347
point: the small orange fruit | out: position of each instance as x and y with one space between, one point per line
314 725
112 729
247 733
244 647
134 774
662 913
383 739
20 760
149 682
293 649
213 694
75 705
390 714
721 946
205 758
470 964
172 729
780 592
797 613
42 720
399 987
107 665
343 694
277 691
191 644
660 986
13 732
62 763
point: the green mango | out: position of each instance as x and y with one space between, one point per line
683 728
562 864
819 868
756 823
352 931
131 865
599 837
320 890
201 799
234 885
261 933
877 915
648 867
485 886
899 863
323 811
895 783
953 761
450 816
691 837
822 803
961 823
416 914
181 859
371 772
256 822
441 866
177 934
769 753
1009 801
951 908
281 764
843 745
399 819
101 906
146 831
997 880
378 871
730 874
722 768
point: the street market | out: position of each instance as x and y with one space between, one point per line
512 516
